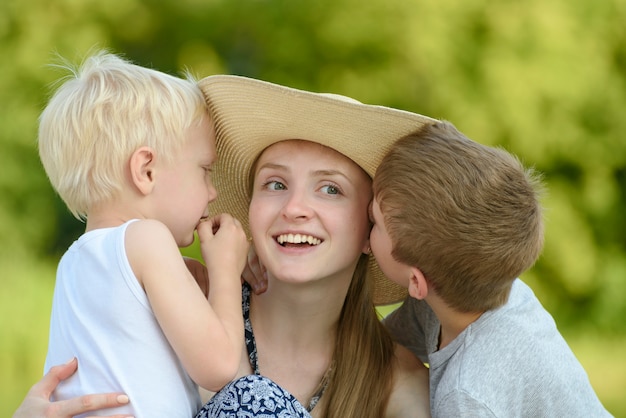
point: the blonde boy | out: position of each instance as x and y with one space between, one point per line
130 151
457 222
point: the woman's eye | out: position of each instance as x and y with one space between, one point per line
331 189
274 185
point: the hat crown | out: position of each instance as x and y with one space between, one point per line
251 115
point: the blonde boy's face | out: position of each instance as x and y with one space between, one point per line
382 246
185 188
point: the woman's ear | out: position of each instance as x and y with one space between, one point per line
418 286
142 163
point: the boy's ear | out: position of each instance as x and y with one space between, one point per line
142 163
418 286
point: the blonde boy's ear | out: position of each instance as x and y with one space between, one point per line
418 286
142 169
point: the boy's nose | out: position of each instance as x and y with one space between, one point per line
212 193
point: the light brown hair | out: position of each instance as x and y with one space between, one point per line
467 215
361 380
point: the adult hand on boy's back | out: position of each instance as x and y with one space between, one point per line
37 403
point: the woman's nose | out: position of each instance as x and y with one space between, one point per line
297 206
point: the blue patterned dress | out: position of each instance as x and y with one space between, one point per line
255 395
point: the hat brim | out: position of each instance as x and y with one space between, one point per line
251 115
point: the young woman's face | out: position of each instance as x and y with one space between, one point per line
309 212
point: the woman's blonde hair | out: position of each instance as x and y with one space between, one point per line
103 111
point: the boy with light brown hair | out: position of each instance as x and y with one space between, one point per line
457 222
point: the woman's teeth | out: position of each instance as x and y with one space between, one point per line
298 239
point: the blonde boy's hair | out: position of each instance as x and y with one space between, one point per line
104 110
467 215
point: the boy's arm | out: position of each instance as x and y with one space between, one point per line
207 338
405 325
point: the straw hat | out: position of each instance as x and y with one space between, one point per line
251 115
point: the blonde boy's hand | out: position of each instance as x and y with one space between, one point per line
224 245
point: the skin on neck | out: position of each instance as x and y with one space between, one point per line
112 214
132 200
295 329
295 304
452 321
297 318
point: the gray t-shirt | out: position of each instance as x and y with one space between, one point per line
511 362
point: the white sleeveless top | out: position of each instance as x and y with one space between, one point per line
101 316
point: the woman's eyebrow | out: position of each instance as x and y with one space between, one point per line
335 173
316 173
330 173
272 166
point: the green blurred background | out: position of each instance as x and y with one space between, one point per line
544 79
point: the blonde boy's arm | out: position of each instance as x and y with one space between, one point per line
224 247
207 339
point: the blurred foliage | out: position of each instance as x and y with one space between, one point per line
544 79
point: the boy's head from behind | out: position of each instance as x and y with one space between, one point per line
103 111
466 215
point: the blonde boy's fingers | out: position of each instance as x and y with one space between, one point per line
222 221
206 229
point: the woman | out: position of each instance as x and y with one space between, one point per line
317 336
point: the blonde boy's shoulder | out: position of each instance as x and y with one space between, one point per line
410 394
